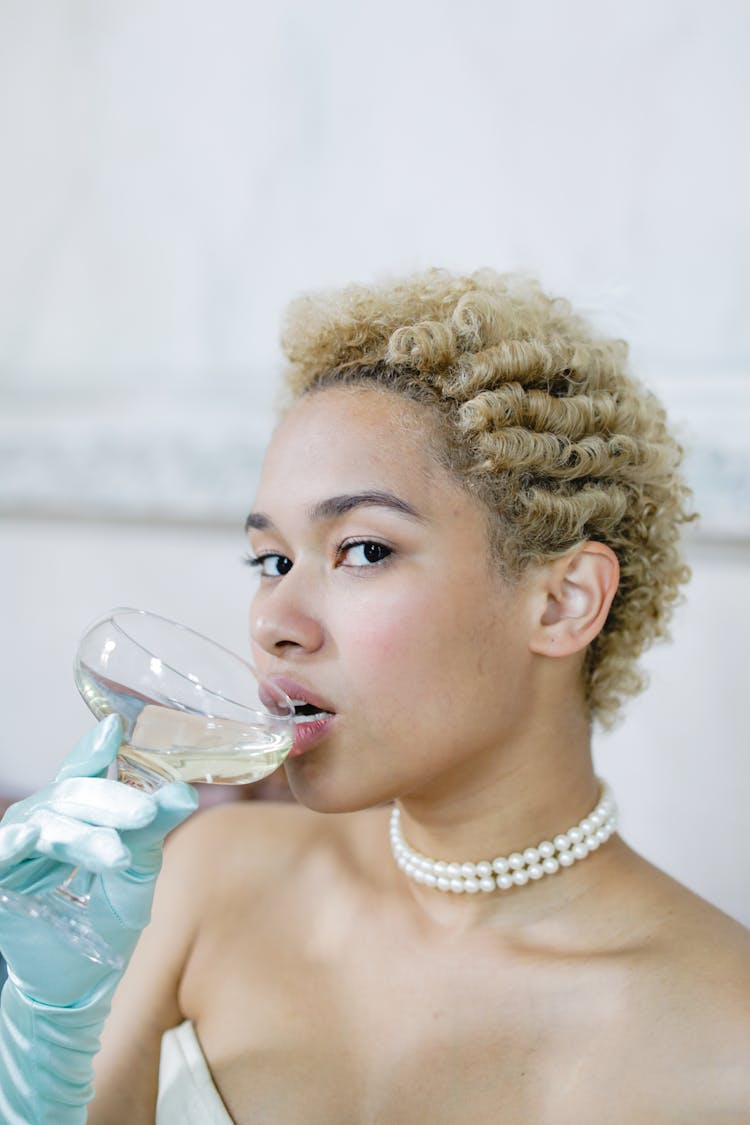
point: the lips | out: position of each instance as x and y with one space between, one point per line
307 713
305 700
313 714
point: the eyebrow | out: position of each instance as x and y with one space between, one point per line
337 506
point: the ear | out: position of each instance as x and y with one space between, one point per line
575 593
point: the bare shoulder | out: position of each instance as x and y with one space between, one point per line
699 944
691 987
290 825
216 862
235 843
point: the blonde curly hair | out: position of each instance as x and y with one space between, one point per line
537 418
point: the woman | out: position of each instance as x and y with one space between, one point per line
466 532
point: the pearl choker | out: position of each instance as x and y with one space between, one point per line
515 869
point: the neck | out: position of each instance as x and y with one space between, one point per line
527 787
533 793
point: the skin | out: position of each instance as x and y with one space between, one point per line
325 986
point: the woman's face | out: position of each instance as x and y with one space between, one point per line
377 601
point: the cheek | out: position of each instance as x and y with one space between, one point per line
387 644
425 640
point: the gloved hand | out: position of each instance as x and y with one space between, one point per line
55 1000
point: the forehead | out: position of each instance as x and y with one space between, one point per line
348 438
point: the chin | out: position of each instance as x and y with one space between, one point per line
321 792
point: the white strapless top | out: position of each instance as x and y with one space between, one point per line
187 1095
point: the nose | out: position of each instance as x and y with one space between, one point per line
281 620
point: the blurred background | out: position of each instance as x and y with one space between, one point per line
172 173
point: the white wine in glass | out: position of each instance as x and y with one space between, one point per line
191 711
195 712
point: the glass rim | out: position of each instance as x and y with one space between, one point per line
118 611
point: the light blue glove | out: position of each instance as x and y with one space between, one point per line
55 1000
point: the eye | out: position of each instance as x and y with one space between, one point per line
270 565
365 552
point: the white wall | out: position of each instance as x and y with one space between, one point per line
679 765
174 171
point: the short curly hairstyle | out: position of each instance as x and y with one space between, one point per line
538 418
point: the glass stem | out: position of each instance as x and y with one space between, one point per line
76 887
137 776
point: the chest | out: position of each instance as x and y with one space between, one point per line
350 1025
309 1056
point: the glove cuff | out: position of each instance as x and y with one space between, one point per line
46 1057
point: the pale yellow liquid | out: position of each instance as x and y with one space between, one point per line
181 746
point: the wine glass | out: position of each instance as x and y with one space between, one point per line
191 710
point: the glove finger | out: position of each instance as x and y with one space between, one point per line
128 893
95 751
17 841
175 801
95 800
81 845
35 875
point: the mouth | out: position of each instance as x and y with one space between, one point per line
310 724
313 715
305 712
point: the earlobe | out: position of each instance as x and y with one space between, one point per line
577 592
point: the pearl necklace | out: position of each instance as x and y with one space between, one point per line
513 870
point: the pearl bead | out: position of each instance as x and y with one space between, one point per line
519 867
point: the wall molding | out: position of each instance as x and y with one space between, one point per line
192 457
195 457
